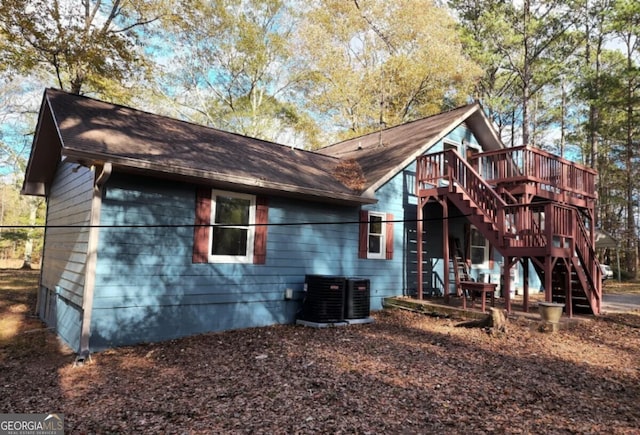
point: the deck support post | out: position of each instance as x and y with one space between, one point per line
525 284
419 249
548 279
445 248
506 282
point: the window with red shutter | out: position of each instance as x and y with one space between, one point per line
260 238
230 227
201 226
375 235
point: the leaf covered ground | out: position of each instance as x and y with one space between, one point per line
404 373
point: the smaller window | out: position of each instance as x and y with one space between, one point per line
447 146
451 146
232 235
479 249
376 236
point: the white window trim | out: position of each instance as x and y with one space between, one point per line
448 144
237 259
485 263
383 236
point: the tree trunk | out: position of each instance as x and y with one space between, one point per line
563 110
28 246
495 322
526 77
631 167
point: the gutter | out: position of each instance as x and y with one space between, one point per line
199 176
102 175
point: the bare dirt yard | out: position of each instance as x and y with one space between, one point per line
405 373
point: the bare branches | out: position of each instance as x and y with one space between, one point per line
375 28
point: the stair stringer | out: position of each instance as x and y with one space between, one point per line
476 216
586 282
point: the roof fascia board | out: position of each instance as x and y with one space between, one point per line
31 187
493 131
214 177
412 157
489 125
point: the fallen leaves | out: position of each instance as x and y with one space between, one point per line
404 373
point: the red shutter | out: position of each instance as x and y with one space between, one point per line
364 233
201 228
389 244
491 257
260 237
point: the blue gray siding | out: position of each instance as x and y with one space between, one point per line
148 289
65 250
390 278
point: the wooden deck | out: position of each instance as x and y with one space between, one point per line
530 206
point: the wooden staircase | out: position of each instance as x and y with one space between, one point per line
546 227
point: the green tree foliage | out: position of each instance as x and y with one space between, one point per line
482 25
376 62
625 96
231 67
523 47
589 84
607 87
16 214
88 45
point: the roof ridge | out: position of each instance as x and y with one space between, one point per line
195 124
469 105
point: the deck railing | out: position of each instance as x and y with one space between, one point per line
447 167
526 226
548 224
524 164
586 250
522 225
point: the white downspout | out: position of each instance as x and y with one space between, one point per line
92 258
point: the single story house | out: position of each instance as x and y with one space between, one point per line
159 228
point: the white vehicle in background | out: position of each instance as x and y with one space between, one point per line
607 272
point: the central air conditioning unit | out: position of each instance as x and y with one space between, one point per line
324 299
357 301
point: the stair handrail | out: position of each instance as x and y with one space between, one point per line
587 253
450 167
483 195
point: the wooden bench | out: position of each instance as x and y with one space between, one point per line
478 287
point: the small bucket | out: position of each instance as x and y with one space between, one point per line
551 312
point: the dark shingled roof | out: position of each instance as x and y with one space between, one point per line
92 131
382 154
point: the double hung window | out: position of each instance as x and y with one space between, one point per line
376 235
230 227
233 219
479 249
